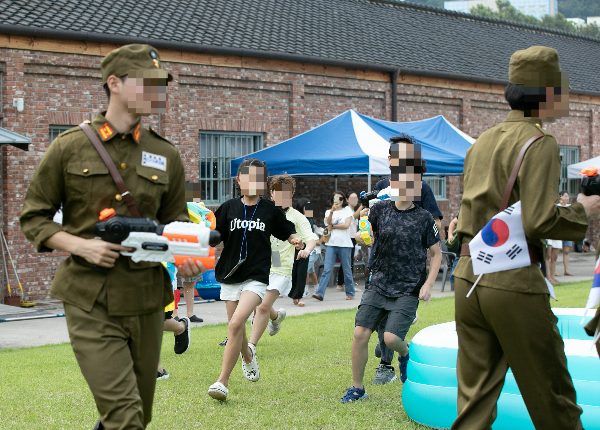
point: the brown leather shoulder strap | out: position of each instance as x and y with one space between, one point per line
111 168
515 171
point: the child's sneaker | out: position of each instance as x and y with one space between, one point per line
403 364
306 293
218 391
162 375
251 370
275 326
384 374
353 395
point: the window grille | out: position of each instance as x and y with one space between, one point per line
569 155
216 152
55 130
438 186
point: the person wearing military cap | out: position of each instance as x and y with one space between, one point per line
507 320
113 306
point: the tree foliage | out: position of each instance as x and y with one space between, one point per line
579 8
508 12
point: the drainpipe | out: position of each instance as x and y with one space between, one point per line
394 75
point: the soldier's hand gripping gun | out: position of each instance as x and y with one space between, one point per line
590 181
364 227
175 242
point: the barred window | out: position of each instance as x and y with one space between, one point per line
55 130
569 155
216 152
438 186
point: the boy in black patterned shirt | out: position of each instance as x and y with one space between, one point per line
398 278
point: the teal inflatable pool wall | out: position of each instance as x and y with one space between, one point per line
429 394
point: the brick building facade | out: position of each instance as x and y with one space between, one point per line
60 82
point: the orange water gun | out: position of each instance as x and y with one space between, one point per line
175 242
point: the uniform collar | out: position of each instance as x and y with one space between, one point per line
107 131
519 116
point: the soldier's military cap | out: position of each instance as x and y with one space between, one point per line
136 61
537 66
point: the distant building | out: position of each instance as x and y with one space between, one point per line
537 8
465 6
577 21
594 20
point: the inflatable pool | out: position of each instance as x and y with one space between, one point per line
429 394
208 288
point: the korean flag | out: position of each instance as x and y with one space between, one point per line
501 244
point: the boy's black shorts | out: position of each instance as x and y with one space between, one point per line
168 315
374 308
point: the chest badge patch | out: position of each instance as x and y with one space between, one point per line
155 161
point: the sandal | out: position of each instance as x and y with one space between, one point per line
300 303
295 301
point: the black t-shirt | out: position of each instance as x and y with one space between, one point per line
427 202
400 258
268 220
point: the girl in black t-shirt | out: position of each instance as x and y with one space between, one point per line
246 224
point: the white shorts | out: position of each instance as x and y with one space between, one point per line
281 283
231 292
556 244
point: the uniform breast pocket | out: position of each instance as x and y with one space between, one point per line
84 178
152 184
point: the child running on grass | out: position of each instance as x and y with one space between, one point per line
282 259
398 278
246 225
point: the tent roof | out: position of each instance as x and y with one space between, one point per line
354 144
14 139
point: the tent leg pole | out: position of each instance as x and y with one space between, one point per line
369 182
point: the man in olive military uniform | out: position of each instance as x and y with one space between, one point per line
114 316
507 320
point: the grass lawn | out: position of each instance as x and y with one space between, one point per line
304 371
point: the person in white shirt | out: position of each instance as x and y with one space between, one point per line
339 245
358 211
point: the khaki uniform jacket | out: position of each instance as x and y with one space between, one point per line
73 175
488 165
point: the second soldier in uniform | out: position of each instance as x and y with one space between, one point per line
507 321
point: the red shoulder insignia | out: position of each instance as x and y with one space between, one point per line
137 132
106 132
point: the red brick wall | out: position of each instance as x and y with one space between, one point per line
64 89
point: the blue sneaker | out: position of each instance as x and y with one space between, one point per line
353 395
403 363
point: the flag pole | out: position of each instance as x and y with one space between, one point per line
474 285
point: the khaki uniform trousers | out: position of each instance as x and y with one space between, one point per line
498 329
118 357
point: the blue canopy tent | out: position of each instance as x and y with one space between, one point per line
354 144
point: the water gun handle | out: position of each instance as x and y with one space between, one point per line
364 227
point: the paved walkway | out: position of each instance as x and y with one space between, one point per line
38 331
